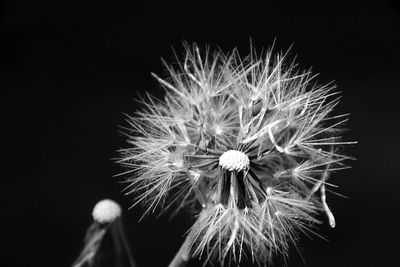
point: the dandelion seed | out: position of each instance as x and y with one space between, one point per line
105 241
251 140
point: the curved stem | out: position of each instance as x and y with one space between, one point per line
93 238
183 255
121 243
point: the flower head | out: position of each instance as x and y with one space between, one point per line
106 211
251 140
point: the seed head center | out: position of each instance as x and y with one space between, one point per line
234 160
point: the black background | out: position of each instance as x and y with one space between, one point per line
70 70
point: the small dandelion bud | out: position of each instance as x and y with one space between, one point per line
106 211
233 160
259 143
105 240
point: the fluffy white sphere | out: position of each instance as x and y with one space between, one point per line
106 211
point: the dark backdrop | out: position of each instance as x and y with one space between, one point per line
70 70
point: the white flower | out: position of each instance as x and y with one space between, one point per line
251 140
106 211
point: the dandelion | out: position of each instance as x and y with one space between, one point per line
106 211
105 241
246 142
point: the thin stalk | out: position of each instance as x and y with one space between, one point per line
183 255
121 243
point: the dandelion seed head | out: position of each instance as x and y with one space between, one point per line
233 160
251 139
106 211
